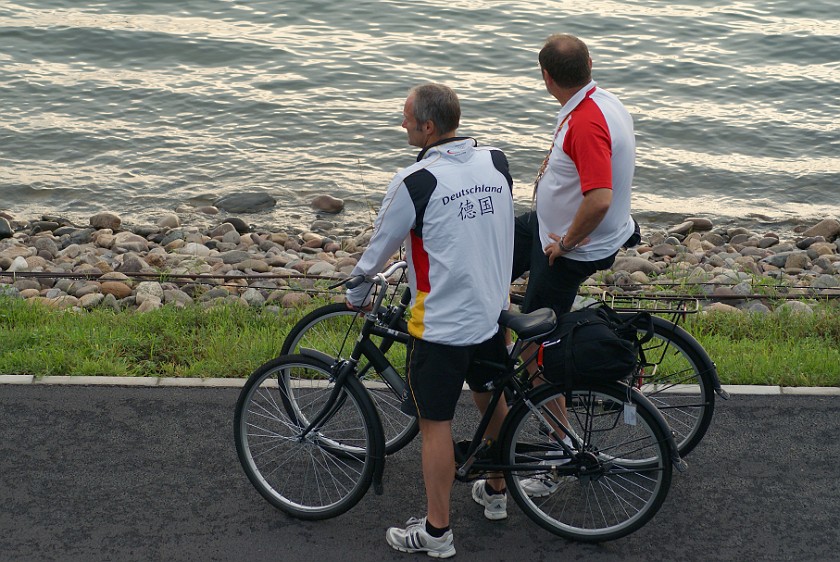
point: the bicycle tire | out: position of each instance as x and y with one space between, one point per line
679 378
328 330
619 475
315 477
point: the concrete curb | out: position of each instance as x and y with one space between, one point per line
735 389
122 381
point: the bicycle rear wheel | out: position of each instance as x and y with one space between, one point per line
333 329
314 476
679 378
617 476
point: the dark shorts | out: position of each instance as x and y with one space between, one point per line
549 286
436 374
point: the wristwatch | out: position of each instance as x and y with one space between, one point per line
563 246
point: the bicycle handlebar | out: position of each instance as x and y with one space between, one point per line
380 278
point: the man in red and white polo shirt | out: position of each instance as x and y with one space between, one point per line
582 192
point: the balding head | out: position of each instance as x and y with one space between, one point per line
566 60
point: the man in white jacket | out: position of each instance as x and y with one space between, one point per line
453 208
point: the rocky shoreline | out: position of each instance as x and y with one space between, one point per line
108 264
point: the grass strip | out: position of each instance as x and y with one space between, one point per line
787 349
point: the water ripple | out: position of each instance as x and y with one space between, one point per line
139 106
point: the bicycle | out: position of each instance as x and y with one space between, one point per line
614 476
676 374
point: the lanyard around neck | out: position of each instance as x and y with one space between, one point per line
544 165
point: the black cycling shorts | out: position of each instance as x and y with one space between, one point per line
436 374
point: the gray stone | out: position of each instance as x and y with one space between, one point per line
238 224
18 264
26 284
214 293
91 300
234 256
251 264
743 289
826 282
827 228
779 259
714 238
54 293
327 204
86 288
194 249
148 290
753 251
664 250
321 226
245 202
171 236
805 243
253 297
79 236
105 220
169 221
43 226
738 230
294 300
720 307
826 264
132 263
795 307
700 224
321 268
9 291
682 228
146 230
44 244
232 237
756 307
128 241
767 242
221 230
110 301
740 239
5 229
631 265
797 260
149 304
176 297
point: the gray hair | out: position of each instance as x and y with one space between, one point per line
437 103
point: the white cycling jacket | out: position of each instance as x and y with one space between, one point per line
454 210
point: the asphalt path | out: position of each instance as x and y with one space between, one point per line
123 473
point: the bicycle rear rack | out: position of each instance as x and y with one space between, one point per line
655 305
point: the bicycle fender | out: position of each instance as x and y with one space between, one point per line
315 354
696 348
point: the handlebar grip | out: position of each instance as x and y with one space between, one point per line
354 282
350 283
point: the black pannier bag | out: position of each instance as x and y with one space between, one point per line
594 344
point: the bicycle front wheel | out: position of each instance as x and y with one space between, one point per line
616 476
679 378
333 329
310 475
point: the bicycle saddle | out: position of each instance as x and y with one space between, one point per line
531 326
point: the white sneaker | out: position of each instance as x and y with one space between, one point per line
495 505
542 485
414 538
